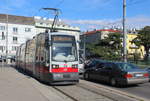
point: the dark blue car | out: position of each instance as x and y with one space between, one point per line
116 73
148 69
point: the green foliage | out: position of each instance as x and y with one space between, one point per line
143 39
108 48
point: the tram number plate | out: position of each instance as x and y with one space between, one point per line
66 76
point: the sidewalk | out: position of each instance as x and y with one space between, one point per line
15 86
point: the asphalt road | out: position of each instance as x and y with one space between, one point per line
141 90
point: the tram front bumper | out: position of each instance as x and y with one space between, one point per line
65 77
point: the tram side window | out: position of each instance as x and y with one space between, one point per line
36 58
38 53
42 58
46 55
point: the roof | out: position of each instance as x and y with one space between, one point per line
13 19
47 21
101 30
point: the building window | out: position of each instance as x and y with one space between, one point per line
3 36
15 39
2 48
14 48
15 29
27 29
2 27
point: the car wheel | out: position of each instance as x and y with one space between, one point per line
113 82
86 76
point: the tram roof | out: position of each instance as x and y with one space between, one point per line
62 33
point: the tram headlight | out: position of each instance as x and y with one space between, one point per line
55 66
74 66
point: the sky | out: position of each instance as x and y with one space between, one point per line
86 14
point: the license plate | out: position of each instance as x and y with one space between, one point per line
139 75
66 76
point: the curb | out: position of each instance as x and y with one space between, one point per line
114 91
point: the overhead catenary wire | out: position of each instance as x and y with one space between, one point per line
60 3
134 2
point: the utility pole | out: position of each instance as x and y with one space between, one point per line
6 38
84 43
124 32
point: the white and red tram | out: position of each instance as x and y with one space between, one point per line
51 57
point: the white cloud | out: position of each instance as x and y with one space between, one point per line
133 22
138 21
93 24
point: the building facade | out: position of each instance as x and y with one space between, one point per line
133 50
94 36
15 30
43 24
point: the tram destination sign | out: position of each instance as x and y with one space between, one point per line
63 38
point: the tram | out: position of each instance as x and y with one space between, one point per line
52 57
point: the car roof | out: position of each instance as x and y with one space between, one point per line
113 62
99 60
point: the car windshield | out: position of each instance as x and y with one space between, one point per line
64 51
126 66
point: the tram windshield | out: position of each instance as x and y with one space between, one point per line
64 48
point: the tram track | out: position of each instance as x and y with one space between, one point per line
91 90
71 97
86 92
79 93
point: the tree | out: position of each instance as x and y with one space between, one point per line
143 39
107 48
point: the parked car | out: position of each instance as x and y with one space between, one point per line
91 63
81 66
148 69
1 59
116 73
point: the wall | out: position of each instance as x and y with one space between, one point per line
21 35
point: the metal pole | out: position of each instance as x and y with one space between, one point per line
54 22
6 38
124 33
84 45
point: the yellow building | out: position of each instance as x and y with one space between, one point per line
132 49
